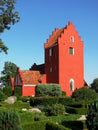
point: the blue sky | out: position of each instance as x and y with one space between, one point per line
38 18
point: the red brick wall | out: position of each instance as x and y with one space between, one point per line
51 65
71 66
28 90
64 65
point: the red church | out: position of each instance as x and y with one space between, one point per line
64 63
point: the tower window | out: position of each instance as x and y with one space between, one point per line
71 84
72 39
50 69
71 50
51 52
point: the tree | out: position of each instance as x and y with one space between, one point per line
84 93
8 17
9 70
92 116
94 85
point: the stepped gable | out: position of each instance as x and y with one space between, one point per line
29 76
54 37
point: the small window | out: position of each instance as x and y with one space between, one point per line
71 50
71 84
50 69
72 39
51 52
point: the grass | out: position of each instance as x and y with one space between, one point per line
18 105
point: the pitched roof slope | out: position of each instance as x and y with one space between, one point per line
29 77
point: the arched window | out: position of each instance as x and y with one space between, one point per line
72 84
71 50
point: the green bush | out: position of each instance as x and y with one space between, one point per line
48 90
73 125
92 116
54 126
57 109
73 110
2 96
38 125
9 120
45 101
7 91
85 94
25 99
39 116
17 91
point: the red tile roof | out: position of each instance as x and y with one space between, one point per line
29 77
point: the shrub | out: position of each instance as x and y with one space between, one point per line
17 91
73 110
2 96
38 125
25 99
92 116
37 101
53 126
39 116
84 94
9 120
7 90
73 125
57 109
48 90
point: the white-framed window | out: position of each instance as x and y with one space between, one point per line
51 52
71 82
71 50
72 39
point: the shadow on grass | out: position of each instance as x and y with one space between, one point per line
74 125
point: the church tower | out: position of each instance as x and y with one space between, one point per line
64 59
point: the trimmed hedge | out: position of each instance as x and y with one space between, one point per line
38 125
53 126
37 101
73 110
43 125
74 125
48 90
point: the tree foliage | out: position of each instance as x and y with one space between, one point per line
94 85
9 70
8 17
92 116
84 93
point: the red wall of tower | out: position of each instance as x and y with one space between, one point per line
71 66
67 66
51 65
